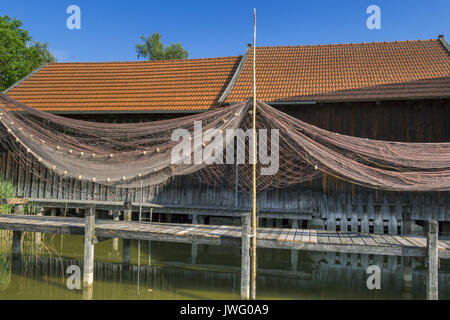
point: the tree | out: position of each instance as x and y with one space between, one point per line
19 54
153 49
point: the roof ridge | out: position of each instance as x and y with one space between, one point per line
349 44
142 61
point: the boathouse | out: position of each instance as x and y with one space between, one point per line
395 91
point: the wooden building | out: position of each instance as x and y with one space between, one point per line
389 91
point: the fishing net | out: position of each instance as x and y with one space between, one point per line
141 154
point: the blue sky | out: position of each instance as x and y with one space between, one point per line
111 29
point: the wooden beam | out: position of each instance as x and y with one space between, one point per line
173 209
14 201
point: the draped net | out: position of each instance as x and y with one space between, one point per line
139 154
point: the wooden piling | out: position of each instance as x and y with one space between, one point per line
407 278
128 211
16 243
194 252
406 222
18 209
115 242
294 253
433 260
245 259
89 233
126 252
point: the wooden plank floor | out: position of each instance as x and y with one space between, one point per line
297 239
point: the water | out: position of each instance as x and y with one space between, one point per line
166 271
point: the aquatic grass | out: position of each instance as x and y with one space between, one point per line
7 190
5 274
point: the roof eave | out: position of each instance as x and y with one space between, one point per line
24 78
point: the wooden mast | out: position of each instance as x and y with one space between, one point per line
253 250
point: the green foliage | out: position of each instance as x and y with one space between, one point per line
19 54
153 49
6 191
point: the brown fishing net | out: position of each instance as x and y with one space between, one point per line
140 154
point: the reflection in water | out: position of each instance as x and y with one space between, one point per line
165 271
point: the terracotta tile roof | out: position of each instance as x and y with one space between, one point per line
405 69
172 85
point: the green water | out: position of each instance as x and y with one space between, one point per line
166 271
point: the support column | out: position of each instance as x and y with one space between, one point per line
16 264
406 221
407 278
194 252
89 233
194 248
16 244
53 212
245 258
294 253
115 242
126 251
18 209
149 253
128 211
38 235
378 224
433 260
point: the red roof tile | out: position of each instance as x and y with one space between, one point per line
365 71
175 85
404 69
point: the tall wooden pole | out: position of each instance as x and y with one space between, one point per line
253 251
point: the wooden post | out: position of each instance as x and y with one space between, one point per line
126 251
406 222
149 253
38 235
194 252
194 248
16 264
115 242
53 212
433 260
245 258
18 209
294 253
16 243
128 211
89 233
407 278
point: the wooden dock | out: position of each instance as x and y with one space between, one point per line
280 238
95 230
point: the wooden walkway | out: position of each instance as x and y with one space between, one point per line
296 239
